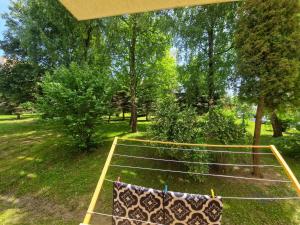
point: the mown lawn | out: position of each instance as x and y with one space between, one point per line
44 181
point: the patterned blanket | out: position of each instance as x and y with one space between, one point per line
135 205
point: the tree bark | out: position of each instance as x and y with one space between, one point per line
256 137
276 124
133 78
87 41
210 75
123 114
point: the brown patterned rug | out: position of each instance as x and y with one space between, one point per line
135 205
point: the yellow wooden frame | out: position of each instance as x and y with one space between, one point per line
96 194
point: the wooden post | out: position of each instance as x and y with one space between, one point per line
95 197
287 169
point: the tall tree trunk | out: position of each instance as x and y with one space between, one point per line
123 114
133 78
276 124
210 75
256 137
87 41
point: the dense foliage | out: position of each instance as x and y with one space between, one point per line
190 52
179 125
204 36
18 84
76 97
220 127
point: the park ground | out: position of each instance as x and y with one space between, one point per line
43 181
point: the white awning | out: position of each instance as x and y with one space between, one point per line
92 9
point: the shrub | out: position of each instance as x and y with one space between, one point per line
76 97
289 145
179 125
220 126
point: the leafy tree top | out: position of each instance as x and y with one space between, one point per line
267 41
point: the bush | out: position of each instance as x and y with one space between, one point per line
76 98
220 126
289 145
179 125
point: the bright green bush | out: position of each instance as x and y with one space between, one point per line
179 125
289 145
76 98
220 126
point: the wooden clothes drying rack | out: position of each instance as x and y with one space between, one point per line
292 178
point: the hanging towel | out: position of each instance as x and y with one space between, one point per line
135 205
191 209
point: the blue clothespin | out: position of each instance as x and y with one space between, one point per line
166 188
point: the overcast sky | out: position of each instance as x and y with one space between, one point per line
3 8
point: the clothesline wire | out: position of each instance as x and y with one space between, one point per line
126 218
189 162
193 149
247 198
202 174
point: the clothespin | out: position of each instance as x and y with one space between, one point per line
166 188
212 193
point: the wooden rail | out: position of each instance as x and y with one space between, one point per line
286 168
96 194
196 145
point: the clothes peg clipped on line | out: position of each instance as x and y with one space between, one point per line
166 188
212 193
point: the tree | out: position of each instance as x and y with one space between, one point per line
76 98
137 42
205 37
121 102
267 41
18 83
162 80
44 33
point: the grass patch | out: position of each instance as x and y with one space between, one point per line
43 181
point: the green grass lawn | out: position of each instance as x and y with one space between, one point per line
43 181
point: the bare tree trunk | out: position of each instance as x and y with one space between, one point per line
276 124
133 78
256 137
210 75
